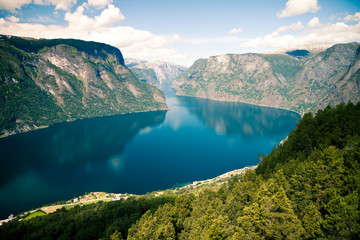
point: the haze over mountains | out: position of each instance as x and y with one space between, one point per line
298 80
156 73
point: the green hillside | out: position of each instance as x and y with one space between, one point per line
306 188
43 82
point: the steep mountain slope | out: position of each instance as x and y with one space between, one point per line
297 80
154 72
49 81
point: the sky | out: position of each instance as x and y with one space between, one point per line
182 31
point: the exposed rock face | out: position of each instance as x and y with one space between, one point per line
154 72
304 82
49 81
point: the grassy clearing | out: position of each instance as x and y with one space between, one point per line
35 214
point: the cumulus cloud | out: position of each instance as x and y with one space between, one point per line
99 3
12 5
235 31
12 19
298 7
314 22
326 34
294 27
80 22
59 4
102 28
355 17
109 16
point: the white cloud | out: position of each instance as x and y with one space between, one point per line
294 27
314 22
355 17
12 5
235 31
78 21
297 7
326 34
59 4
99 3
102 28
62 4
13 19
109 16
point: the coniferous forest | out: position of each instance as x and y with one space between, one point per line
306 188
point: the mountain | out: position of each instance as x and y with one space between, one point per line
300 80
154 72
44 82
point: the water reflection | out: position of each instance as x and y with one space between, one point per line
51 164
136 153
235 118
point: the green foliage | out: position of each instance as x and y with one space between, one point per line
307 188
331 126
159 225
93 221
116 236
35 214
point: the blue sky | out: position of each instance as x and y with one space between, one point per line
182 31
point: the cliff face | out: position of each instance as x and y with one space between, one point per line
155 73
49 81
299 80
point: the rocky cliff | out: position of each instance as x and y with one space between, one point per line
44 82
154 72
297 80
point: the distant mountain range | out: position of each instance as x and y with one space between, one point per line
43 82
155 73
302 80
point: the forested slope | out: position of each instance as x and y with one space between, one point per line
307 188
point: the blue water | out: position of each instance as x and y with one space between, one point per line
136 153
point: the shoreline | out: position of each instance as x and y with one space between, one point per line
94 197
219 178
74 120
237 101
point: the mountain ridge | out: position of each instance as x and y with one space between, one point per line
44 82
297 83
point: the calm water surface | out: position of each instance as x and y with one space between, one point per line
136 153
